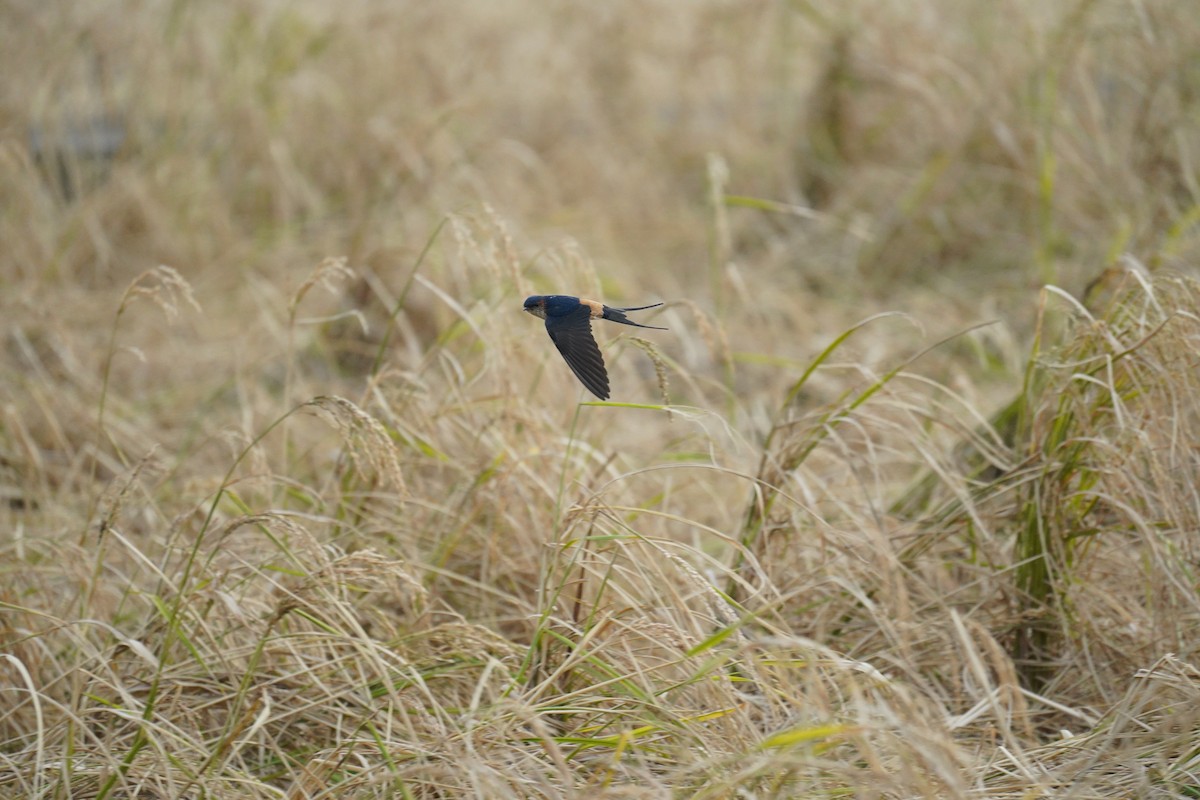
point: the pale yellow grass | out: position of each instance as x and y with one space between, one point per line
297 503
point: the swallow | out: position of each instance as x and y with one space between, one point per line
569 323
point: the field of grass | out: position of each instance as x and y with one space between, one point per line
295 502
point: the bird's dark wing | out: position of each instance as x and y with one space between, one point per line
572 335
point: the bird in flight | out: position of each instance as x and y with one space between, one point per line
569 323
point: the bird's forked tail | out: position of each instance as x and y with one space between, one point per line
618 315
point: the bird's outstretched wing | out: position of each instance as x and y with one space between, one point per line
572 335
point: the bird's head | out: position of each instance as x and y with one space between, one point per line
536 305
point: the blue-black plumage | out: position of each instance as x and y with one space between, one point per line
569 323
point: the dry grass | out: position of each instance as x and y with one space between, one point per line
297 503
